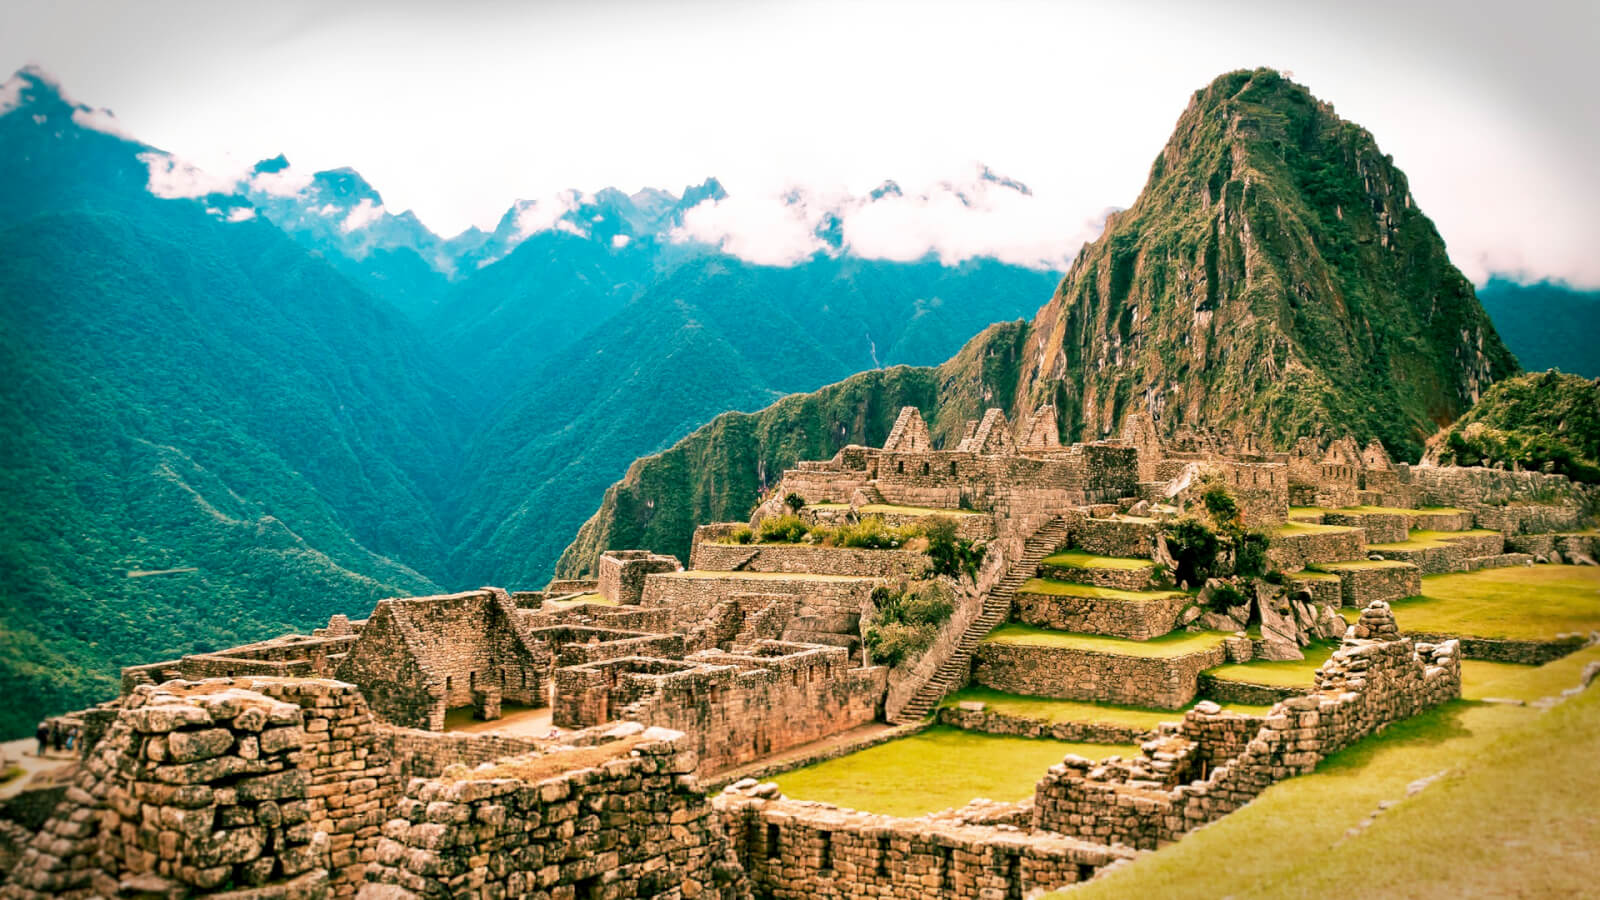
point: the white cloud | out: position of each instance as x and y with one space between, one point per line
286 182
619 241
328 210
241 214
100 120
543 214
365 213
11 93
172 178
758 228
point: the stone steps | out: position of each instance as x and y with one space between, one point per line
996 608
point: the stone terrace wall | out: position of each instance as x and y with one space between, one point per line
808 559
626 823
805 851
693 598
1528 519
1365 685
293 655
1546 544
990 721
279 785
1472 487
1139 620
735 707
1116 537
621 573
1363 582
1293 552
1380 528
1137 579
1071 674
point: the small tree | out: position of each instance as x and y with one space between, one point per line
951 555
794 501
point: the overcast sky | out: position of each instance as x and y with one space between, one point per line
456 109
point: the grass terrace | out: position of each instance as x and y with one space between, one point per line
1420 539
1292 529
1073 589
590 598
889 509
1051 710
1512 816
1078 559
1279 673
936 769
1519 602
764 576
1397 510
1350 564
1178 643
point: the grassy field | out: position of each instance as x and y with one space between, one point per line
1072 589
936 769
1052 710
1520 602
1350 564
1513 814
1279 673
1078 559
1178 643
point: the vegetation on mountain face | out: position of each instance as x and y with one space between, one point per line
1274 274
1545 421
1547 326
722 470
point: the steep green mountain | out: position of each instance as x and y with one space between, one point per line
1547 326
1536 421
210 436
1274 274
711 335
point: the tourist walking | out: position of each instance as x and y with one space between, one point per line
57 736
42 735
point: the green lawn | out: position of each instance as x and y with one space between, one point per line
1078 559
884 509
1072 589
1519 602
1398 510
937 769
1480 678
1051 710
1290 529
1279 673
1421 539
1513 815
1348 564
1178 643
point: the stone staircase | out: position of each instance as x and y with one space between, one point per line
996 607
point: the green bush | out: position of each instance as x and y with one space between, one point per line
741 535
1250 553
951 555
1195 549
794 501
905 622
1219 503
872 533
1225 595
782 529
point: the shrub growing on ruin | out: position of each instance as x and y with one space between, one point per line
741 535
1250 553
1223 595
872 533
890 644
951 555
1195 549
905 621
1220 505
782 529
794 501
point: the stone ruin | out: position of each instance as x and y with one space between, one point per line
606 708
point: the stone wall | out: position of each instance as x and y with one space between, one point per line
1527 653
801 559
1293 552
1224 762
1129 579
734 707
621 573
274 785
1380 528
1224 690
617 821
1568 545
1072 674
988 721
807 851
1360 583
1130 537
694 597
1139 620
292 655
1469 487
1526 519
1452 555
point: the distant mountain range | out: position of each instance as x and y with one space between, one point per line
233 408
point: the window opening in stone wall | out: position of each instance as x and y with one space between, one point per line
588 888
900 467
883 856
927 468
952 468
825 857
472 679
772 841
449 683
1013 876
1085 871
947 867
